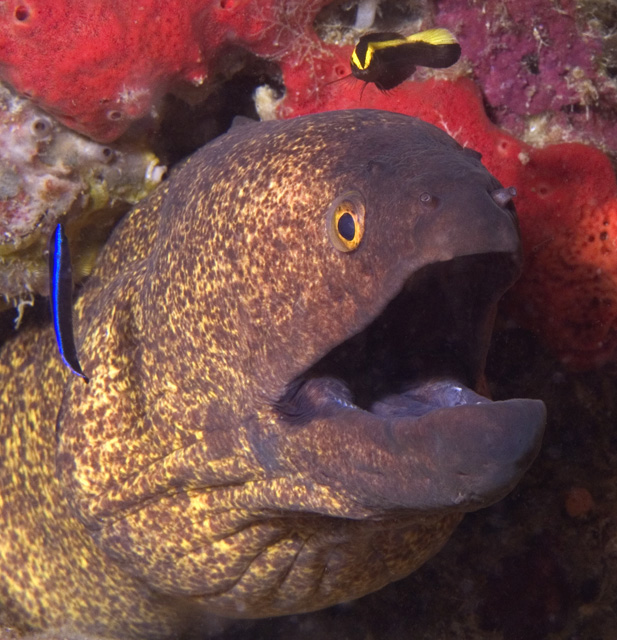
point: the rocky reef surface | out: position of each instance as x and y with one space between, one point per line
50 173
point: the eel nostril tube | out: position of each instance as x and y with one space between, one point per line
503 195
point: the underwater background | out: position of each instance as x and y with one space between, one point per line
91 117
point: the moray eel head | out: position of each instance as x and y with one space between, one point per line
286 348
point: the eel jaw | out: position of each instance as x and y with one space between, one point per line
397 399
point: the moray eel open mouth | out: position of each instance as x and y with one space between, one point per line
436 329
411 370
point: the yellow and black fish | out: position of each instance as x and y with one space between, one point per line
388 58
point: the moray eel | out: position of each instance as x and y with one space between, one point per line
282 344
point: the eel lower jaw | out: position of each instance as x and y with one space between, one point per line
435 447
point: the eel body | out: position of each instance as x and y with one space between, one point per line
285 344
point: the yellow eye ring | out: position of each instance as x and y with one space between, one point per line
345 221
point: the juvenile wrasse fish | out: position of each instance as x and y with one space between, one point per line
389 58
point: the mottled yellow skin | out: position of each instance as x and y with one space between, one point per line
172 487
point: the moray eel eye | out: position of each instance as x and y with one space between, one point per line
345 220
